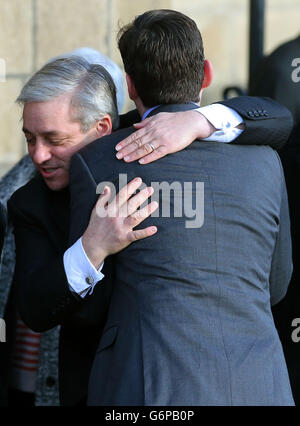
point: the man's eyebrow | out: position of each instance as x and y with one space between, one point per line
49 133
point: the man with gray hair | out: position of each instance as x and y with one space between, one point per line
89 92
67 104
93 56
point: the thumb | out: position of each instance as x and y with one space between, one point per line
141 124
103 198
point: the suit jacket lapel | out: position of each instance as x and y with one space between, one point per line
55 206
59 211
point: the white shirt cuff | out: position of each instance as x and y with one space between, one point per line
225 120
81 274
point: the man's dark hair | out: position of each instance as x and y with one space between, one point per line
162 52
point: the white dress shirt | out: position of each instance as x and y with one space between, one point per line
225 120
81 274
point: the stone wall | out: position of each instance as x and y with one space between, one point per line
33 31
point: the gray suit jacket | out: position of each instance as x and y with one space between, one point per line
190 318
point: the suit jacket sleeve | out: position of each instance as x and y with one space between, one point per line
44 298
267 122
282 266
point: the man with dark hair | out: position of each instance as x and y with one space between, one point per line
137 44
190 320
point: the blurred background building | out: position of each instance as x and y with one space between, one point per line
33 31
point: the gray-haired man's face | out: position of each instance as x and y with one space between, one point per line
52 138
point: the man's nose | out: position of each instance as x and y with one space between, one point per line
41 153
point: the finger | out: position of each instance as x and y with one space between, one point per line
131 138
136 144
135 202
103 201
159 152
124 194
143 123
140 234
141 152
139 216
104 197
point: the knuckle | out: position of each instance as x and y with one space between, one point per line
134 219
147 149
135 235
132 137
98 212
132 188
144 213
136 205
137 143
111 212
119 235
132 236
162 149
142 198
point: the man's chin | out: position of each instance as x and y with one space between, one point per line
55 185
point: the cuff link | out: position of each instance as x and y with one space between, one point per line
89 280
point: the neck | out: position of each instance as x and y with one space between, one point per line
140 107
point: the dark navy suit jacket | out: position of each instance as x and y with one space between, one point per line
190 319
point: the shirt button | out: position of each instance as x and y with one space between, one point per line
89 280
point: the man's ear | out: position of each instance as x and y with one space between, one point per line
131 88
104 126
208 74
